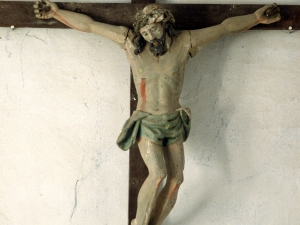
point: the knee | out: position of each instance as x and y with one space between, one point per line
158 174
177 180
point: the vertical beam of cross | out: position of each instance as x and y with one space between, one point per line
137 168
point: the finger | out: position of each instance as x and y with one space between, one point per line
37 5
269 12
278 16
273 10
39 16
277 10
266 7
41 5
269 7
274 18
46 2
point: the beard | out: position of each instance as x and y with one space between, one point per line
158 46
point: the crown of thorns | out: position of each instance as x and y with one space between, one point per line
158 14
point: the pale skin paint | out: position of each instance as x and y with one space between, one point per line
158 82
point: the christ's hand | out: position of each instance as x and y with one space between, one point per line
268 14
45 9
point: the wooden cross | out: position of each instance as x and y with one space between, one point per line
188 16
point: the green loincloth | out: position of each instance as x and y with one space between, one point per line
162 129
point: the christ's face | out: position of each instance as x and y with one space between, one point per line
152 31
155 35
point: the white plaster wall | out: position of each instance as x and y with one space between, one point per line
242 159
64 96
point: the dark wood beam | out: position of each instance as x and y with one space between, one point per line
188 16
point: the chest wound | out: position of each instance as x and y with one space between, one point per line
143 89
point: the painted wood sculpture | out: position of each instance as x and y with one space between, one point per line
158 55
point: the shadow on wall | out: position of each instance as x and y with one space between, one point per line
205 151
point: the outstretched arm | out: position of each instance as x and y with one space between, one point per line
266 15
47 9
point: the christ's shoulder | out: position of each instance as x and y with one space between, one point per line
129 45
182 41
183 35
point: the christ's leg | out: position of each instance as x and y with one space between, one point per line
153 157
174 158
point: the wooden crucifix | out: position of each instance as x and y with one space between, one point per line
184 14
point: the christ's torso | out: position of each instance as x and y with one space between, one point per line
159 80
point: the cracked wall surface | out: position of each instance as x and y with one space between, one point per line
64 96
59 115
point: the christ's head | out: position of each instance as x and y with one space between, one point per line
152 25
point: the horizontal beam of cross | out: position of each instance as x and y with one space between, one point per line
188 16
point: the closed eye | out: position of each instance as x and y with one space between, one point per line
153 28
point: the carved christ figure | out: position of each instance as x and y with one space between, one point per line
158 55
